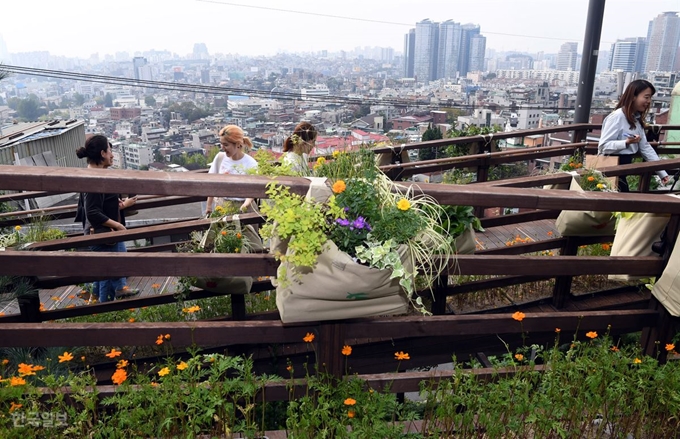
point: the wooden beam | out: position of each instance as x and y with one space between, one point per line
46 178
268 332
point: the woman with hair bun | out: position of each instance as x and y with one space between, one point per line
233 159
296 148
100 213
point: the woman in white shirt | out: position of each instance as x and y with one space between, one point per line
296 148
623 131
233 159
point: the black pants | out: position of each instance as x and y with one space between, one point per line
624 159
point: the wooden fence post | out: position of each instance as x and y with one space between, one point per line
329 348
562 288
439 293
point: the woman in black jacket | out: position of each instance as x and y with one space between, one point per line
103 213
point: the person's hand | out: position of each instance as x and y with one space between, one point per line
665 180
120 227
634 139
244 206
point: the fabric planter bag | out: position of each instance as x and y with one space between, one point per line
667 288
465 244
635 236
338 287
580 223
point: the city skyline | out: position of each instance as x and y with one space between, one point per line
74 29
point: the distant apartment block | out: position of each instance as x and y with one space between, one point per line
409 56
137 155
566 57
569 77
125 113
663 37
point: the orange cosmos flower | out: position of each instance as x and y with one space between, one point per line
119 376
121 364
591 334
114 353
670 347
308 338
347 350
519 316
350 401
66 357
401 356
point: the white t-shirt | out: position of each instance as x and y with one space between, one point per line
298 163
233 167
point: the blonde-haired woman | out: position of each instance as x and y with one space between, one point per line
233 159
297 147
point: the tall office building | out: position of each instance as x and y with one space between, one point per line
468 31
477 51
448 58
566 57
426 50
409 56
663 36
627 55
138 65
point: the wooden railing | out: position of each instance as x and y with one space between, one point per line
431 339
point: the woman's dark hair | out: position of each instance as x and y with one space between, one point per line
93 149
304 131
627 101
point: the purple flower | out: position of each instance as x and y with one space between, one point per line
342 222
360 223
346 209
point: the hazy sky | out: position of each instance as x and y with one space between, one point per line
252 27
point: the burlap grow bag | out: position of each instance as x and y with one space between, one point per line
584 223
338 287
230 284
465 244
635 236
667 288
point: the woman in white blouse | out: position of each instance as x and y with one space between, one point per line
623 131
233 159
296 148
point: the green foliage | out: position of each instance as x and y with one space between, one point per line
433 152
593 180
108 100
456 150
150 101
78 99
188 110
268 165
508 170
29 109
459 218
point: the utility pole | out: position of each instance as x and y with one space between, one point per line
586 81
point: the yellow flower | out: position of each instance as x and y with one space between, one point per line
347 350
308 338
403 204
121 364
339 187
350 401
591 334
519 357
191 309
670 347
17 228
336 154
17 381
182 365
66 357
114 353
119 376
163 372
637 361
401 356
519 316
320 161
600 186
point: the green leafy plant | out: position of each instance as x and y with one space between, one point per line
594 180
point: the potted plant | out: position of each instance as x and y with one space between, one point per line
355 245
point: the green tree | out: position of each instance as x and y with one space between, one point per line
150 101
432 152
108 100
79 99
30 109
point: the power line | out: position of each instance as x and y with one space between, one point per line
276 95
368 20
